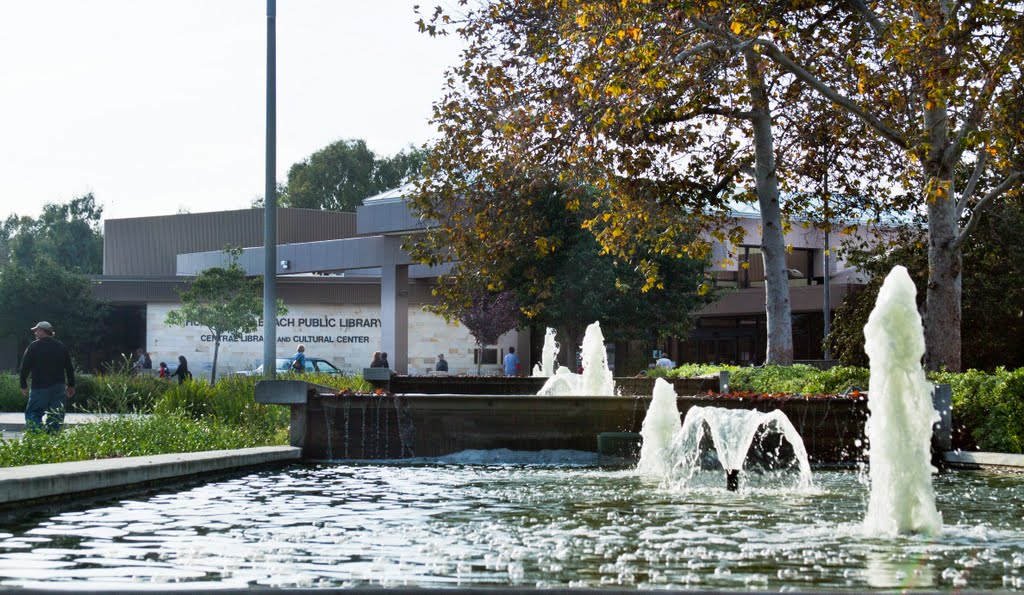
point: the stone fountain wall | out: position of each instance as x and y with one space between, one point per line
329 426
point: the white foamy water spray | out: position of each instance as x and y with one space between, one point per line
899 427
548 354
596 379
733 433
659 430
676 453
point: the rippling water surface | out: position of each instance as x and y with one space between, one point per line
514 525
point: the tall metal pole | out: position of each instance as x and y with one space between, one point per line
270 204
827 273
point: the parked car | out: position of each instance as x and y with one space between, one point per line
314 365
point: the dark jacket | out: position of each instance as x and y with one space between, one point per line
182 373
48 361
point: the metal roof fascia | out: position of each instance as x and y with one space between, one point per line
308 257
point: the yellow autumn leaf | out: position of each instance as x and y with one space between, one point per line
736 27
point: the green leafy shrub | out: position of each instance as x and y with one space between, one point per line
87 389
11 398
354 383
773 379
987 409
657 372
836 381
695 370
119 392
232 401
129 436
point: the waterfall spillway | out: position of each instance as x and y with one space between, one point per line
899 427
716 439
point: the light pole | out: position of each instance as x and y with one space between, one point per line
826 273
270 205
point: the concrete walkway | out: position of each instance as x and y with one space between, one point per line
961 459
40 483
13 424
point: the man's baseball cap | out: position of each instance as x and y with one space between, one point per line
46 326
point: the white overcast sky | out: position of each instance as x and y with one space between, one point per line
158 106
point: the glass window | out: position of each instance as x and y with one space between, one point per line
490 356
754 273
800 264
325 367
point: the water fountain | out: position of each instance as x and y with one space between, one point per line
719 440
596 378
470 521
548 354
899 428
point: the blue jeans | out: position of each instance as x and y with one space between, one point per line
51 401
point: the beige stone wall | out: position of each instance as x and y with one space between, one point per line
346 336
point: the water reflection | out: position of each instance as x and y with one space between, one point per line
464 525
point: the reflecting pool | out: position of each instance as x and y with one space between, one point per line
527 525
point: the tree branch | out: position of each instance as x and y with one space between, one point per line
870 17
982 102
972 183
700 47
983 205
768 48
780 58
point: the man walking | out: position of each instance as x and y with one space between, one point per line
48 361
511 362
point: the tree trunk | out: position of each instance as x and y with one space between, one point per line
216 350
480 359
942 308
570 349
773 246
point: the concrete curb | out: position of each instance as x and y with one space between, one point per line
35 482
959 459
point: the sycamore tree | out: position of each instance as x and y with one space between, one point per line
940 82
630 98
225 301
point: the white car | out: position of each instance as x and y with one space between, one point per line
314 365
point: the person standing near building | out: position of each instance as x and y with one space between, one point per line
511 362
48 362
182 372
299 359
664 362
138 360
442 364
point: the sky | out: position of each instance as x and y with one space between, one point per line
158 106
